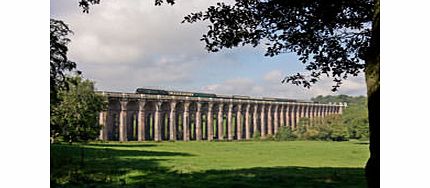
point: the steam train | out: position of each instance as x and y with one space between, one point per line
207 95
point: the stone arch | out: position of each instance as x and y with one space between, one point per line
251 120
270 119
179 120
263 120
192 120
215 115
164 120
204 120
243 121
114 108
132 120
149 119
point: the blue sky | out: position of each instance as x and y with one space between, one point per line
126 44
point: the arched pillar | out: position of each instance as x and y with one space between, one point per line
172 121
157 121
220 121
297 112
239 122
269 120
185 121
209 120
103 125
247 122
198 122
288 116
306 111
123 121
324 111
312 113
276 119
255 120
263 122
141 122
230 122
303 110
282 115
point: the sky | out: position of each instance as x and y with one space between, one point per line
123 45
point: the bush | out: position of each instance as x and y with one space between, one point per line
268 137
330 129
257 135
300 131
339 133
324 132
311 134
285 133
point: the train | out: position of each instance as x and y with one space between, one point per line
208 95
175 93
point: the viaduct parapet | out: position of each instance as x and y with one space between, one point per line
140 117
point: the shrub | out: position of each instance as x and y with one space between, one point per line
257 135
324 132
299 131
285 133
311 134
339 132
268 137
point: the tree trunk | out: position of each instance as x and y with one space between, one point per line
373 94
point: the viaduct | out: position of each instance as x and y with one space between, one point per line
140 117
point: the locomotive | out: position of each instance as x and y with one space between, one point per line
175 93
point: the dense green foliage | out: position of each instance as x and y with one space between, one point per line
352 124
210 164
354 117
285 133
75 117
340 98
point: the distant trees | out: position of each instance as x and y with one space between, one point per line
74 118
352 124
341 98
355 116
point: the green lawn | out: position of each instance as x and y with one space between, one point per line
210 164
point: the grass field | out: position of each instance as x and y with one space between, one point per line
210 164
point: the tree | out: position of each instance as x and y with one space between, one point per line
59 62
74 119
332 38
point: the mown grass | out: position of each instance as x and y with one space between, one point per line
210 164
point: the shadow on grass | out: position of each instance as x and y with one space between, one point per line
363 143
105 167
256 177
119 144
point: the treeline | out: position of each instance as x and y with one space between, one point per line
352 124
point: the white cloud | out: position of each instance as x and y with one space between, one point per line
275 75
271 87
126 44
